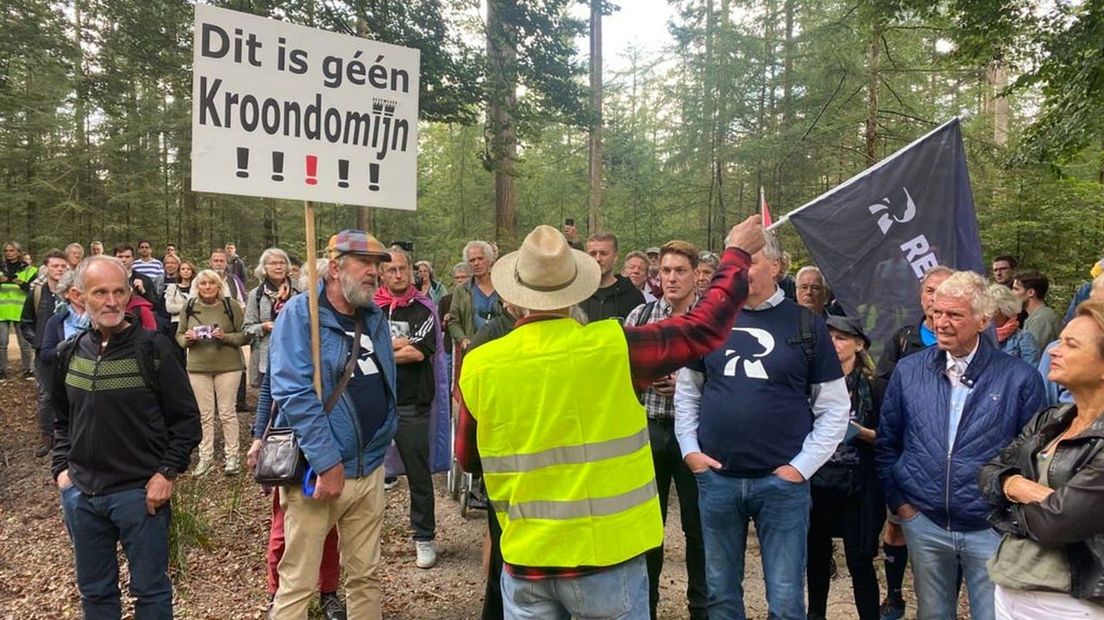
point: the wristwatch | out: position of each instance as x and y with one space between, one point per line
168 472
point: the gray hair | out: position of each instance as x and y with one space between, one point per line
66 282
74 245
259 272
320 264
971 287
488 250
1004 300
811 269
773 247
393 250
461 267
82 268
933 271
427 264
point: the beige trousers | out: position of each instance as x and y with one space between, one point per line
224 387
358 514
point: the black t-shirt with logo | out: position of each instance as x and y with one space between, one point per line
367 389
415 381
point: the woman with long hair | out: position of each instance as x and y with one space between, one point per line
847 500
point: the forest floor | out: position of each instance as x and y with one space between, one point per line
222 575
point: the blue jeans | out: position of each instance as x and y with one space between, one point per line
780 510
618 593
96 524
936 555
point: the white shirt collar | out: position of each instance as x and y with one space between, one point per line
965 360
771 301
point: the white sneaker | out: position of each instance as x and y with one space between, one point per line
202 468
427 553
232 467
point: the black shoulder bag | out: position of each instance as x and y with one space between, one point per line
281 462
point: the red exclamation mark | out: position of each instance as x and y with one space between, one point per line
373 177
312 170
343 173
277 166
243 163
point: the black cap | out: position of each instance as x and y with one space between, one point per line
848 326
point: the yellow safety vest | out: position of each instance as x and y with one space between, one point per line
564 445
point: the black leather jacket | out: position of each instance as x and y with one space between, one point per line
1071 516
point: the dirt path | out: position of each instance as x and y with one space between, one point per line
223 578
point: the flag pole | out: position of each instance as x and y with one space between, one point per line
312 296
860 175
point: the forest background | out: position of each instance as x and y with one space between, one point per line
521 126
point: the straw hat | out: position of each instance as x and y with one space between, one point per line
545 273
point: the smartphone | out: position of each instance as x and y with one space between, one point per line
569 221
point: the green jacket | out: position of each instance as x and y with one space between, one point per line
462 325
212 356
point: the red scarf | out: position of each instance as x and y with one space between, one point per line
1004 332
385 299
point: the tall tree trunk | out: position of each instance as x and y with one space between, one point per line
594 167
502 103
996 103
873 61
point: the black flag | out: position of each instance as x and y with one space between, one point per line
876 234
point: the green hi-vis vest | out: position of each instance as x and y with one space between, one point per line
564 445
11 296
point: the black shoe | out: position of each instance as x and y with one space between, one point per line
332 607
28 374
44 446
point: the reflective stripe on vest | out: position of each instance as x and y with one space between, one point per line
568 455
593 507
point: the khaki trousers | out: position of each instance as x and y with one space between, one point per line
358 514
223 387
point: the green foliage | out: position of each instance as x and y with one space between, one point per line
793 96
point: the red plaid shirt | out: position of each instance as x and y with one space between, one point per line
655 350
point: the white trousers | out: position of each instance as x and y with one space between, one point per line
1013 604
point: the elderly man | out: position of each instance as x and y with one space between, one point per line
947 411
755 419
344 432
476 302
116 478
564 449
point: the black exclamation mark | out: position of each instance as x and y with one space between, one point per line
277 166
243 163
343 173
373 177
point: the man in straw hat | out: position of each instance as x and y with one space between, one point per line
344 434
563 441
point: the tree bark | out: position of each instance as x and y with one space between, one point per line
594 167
501 106
873 58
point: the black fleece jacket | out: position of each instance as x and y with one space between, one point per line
615 301
111 430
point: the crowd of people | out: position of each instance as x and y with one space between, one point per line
583 387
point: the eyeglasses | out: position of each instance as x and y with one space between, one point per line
276 262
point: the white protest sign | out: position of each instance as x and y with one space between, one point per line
286 111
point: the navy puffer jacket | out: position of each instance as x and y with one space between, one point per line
914 464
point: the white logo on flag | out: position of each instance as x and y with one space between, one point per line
886 220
